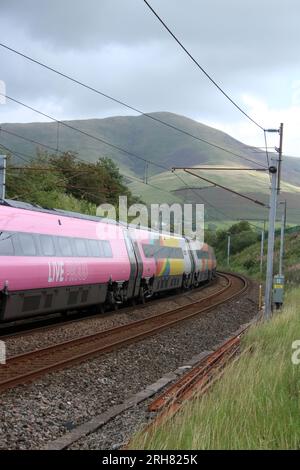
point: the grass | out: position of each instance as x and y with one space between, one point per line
256 403
247 261
168 148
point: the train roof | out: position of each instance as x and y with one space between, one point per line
77 215
36 208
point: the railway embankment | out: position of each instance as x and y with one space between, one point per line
256 403
247 261
33 415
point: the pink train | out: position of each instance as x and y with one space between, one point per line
52 261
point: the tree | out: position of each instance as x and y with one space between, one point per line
243 226
242 236
64 182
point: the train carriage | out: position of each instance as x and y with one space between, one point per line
52 260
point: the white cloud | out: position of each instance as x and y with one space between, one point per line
269 117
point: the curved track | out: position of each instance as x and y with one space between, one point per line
56 320
26 367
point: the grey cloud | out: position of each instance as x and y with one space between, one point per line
204 24
120 48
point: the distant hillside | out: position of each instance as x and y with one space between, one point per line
155 142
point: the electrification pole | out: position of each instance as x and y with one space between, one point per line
228 249
279 150
275 172
271 238
2 176
262 250
146 173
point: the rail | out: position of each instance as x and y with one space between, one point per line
29 366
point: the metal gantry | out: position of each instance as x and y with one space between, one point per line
2 176
275 174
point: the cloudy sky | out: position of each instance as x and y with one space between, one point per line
250 47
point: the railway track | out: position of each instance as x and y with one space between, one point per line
52 321
29 366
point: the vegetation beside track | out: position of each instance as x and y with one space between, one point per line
245 251
248 260
256 403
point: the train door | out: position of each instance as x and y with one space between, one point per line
189 263
195 247
136 266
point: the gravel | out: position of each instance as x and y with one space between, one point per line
117 433
31 415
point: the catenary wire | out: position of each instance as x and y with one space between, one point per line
120 102
200 67
91 136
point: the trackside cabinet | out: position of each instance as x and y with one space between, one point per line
278 290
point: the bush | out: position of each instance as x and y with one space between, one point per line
249 263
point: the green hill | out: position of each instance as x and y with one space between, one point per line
165 146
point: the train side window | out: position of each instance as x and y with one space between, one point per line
65 246
27 244
162 252
106 249
148 250
6 245
81 248
95 248
202 254
179 253
47 245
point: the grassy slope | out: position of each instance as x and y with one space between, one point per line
137 134
239 261
256 403
145 138
238 180
160 144
230 206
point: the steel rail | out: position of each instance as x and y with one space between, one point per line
58 319
26 367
